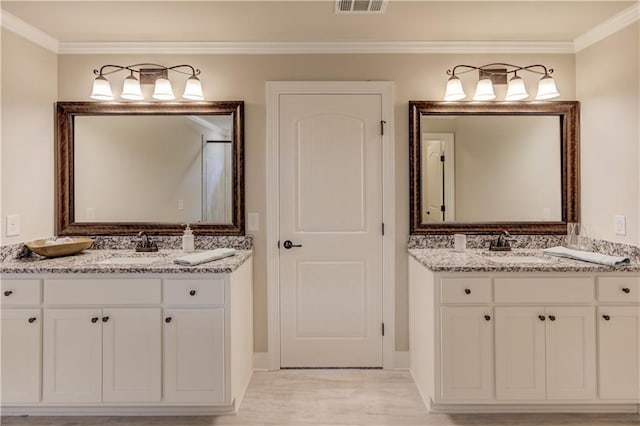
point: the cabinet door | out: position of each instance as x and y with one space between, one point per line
520 353
467 353
131 355
21 347
619 349
571 352
72 355
194 355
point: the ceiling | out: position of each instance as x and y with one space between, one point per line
312 21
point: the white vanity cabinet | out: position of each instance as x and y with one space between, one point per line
134 343
21 318
523 341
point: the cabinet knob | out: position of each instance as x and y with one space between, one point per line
167 320
541 317
94 320
626 290
467 291
8 293
32 320
192 293
105 319
487 318
552 317
606 317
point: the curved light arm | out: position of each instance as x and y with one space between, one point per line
110 69
487 68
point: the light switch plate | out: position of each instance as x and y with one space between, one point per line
620 225
253 221
13 225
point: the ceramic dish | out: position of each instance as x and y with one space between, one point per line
56 250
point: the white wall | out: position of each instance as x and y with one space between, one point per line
608 87
29 90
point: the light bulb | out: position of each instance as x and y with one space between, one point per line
101 89
163 90
516 90
547 88
484 90
193 89
131 89
454 91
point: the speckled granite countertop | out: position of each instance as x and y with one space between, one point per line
97 261
475 260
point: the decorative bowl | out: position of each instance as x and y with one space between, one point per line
57 250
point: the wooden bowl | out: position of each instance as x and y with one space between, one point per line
58 250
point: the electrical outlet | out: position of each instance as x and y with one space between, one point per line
253 221
180 204
13 225
620 225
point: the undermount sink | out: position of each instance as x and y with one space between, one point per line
518 259
138 260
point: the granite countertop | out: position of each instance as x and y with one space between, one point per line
97 261
476 260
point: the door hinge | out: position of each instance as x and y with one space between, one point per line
382 228
442 208
383 329
278 243
442 158
382 123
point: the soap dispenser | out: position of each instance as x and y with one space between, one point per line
188 245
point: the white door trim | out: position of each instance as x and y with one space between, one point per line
386 90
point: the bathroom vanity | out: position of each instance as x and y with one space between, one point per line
523 332
118 332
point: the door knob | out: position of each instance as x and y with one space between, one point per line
288 244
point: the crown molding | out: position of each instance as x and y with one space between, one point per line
28 31
611 26
285 48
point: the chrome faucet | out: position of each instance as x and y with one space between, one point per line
145 243
502 243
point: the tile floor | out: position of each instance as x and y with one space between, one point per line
336 398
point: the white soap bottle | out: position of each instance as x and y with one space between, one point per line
188 245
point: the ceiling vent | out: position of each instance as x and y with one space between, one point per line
361 6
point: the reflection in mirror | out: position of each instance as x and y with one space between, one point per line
122 168
478 167
494 160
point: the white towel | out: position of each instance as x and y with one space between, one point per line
204 257
587 256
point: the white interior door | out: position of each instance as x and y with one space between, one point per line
331 206
433 181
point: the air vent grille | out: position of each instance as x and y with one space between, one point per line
361 6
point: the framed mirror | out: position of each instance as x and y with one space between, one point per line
481 167
124 168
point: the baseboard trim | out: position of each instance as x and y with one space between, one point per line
534 408
261 361
403 360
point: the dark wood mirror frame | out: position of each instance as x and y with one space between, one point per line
567 111
64 146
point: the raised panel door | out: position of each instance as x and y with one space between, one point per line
72 355
21 348
467 353
131 355
520 353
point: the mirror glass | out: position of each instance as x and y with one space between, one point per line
485 166
125 168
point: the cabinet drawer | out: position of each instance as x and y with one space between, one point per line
544 290
619 289
98 291
20 292
194 292
465 290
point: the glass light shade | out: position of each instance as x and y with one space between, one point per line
484 90
131 89
454 92
163 90
516 90
101 89
193 89
547 88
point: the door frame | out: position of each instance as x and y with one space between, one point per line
274 90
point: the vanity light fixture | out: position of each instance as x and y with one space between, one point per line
147 73
489 74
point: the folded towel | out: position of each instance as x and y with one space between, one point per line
587 256
204 257
58 241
